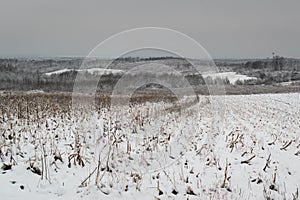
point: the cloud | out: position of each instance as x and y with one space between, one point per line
225 28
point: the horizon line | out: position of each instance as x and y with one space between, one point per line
141 57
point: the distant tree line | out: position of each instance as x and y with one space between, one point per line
65 81
30 74
270 71
137 59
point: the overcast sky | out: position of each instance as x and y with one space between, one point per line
226 28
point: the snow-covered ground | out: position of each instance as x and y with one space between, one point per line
96 71
149 151
232 76
290 83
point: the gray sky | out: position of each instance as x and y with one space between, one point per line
227 29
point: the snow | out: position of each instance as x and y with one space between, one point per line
101 71
96 71
35 91
255 125
58 72
232 76
290 83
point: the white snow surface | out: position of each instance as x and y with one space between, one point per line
232 76
97 71
264 126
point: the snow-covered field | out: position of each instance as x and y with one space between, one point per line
149 151
231 76
95 71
